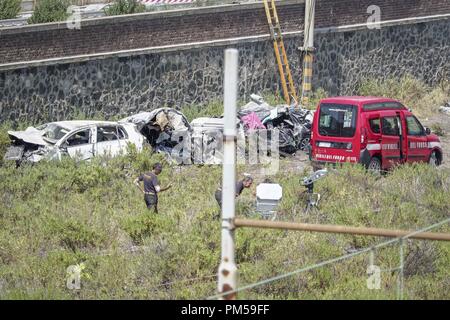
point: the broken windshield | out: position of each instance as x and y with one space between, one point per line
53 132
337 120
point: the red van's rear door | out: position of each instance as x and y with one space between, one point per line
336 138
391 132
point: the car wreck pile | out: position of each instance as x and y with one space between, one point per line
200 142
167 130
294 125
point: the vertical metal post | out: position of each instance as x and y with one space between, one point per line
372 257
400 283
227 277
308 51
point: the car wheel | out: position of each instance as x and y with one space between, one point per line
434 161
304 144
374 165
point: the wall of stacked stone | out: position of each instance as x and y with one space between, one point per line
118 86
127 32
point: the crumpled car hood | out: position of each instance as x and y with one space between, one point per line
30 135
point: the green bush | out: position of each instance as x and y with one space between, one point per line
9 9
75 235
415 94
143 225
50 11
57 214
4 140
124 7
437 129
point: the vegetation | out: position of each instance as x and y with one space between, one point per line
415 94
119 7
50 11
58 214
9 9
438 130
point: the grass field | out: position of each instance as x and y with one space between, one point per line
57 214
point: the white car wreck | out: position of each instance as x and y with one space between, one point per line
78 139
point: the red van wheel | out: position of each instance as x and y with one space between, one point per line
374 165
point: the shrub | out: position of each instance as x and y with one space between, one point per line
124 7
9 9
213 109
144 225
437 129
50 11
75 234
4 141
412 92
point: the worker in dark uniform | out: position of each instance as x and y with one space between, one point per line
151 186
240 185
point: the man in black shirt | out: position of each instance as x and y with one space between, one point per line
240 185
151 186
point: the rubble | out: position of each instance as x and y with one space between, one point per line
164 128
445 108
294 125
167 130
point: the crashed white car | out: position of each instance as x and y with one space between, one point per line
78 139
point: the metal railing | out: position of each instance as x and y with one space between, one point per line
400 241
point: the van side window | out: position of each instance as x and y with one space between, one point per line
389 126
414 126
375 125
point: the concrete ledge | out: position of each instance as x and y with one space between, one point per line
214 43
145 16
387 23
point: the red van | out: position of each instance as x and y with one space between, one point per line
376 132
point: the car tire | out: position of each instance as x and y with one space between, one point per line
374 165
304 143
434 160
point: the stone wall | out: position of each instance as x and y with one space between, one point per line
119 86
54 40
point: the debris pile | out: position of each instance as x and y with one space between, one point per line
445 108
294 125
164 128
168 131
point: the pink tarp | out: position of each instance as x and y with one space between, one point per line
252 122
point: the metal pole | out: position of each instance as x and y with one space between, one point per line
227 277
308 51
401 271
339 229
